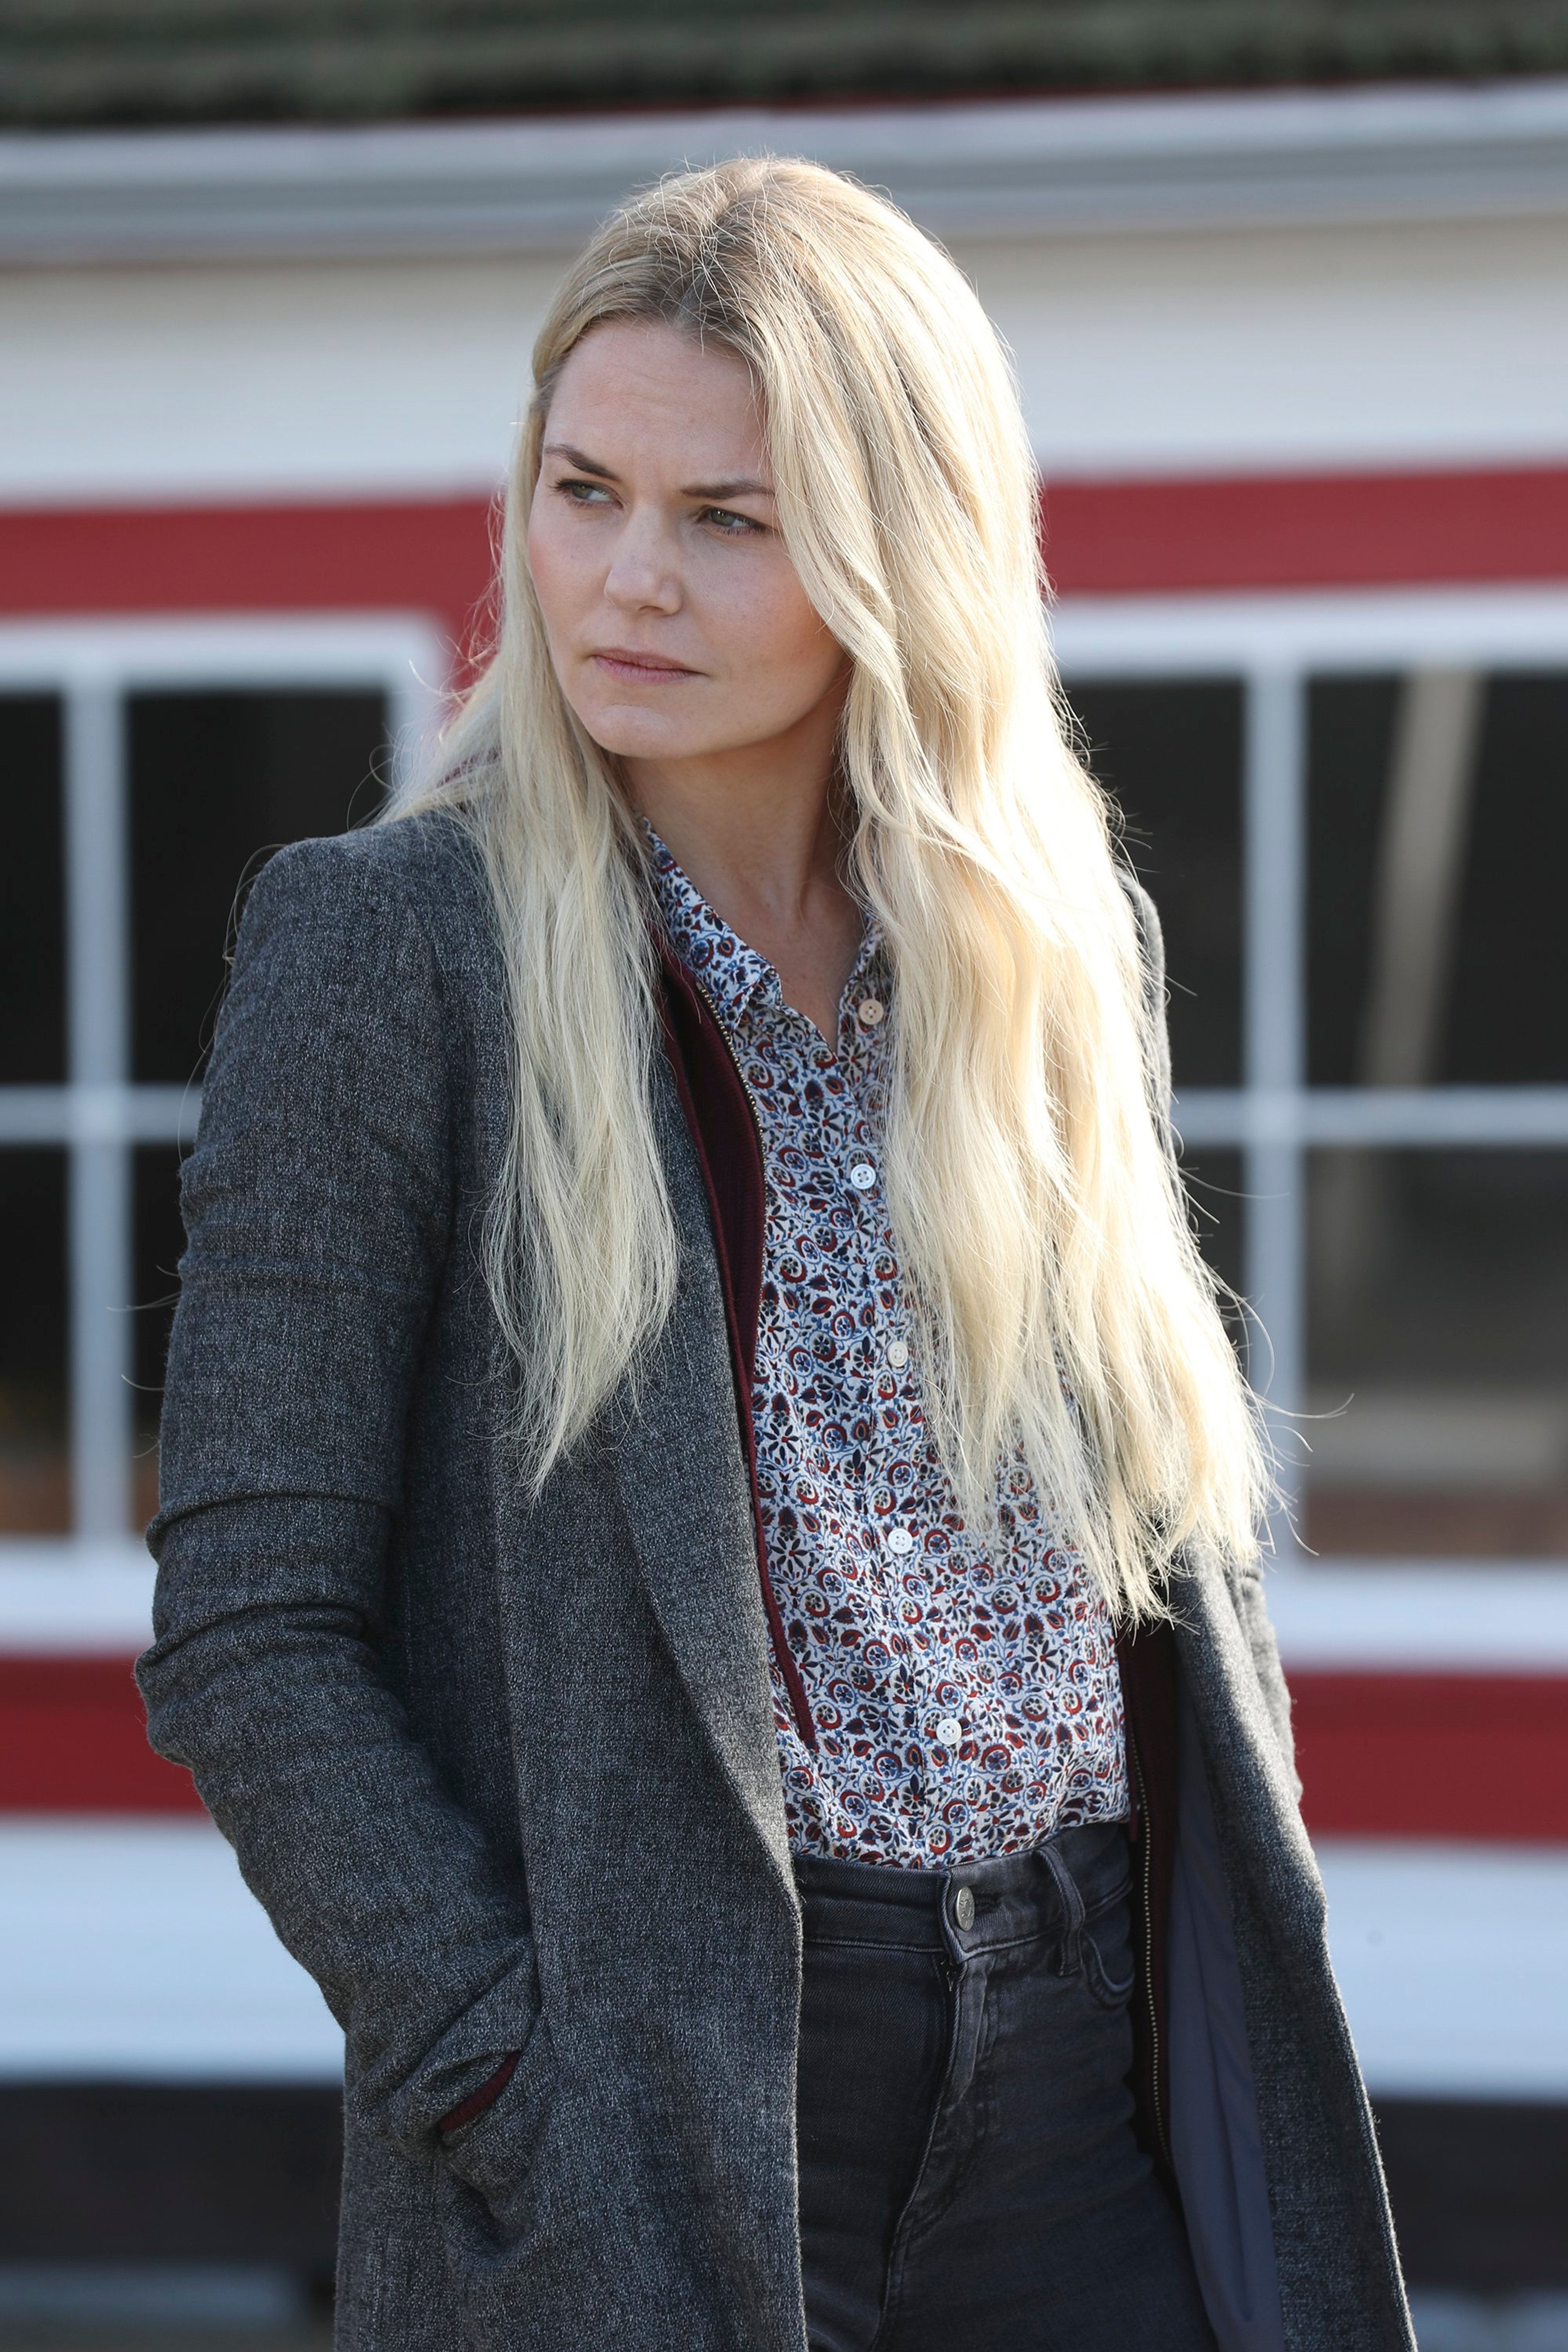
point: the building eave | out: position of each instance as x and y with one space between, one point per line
1008 168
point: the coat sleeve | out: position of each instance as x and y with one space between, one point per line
317 1205
1257 1631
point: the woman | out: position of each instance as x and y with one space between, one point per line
707 1556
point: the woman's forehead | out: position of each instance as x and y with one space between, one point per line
641 386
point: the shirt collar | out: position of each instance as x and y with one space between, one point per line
731 972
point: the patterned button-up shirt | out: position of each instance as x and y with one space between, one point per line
964 1692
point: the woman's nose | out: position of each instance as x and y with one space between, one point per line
643 574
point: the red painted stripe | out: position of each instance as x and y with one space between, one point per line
73 1740
1434 1756
431 556
1481 1756
1304 531
435 555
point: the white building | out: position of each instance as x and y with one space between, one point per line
1296 369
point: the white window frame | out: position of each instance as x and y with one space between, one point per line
99 1114
1407 1616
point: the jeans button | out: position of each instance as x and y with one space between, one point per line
963 1906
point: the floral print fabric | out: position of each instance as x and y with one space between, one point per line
966 1695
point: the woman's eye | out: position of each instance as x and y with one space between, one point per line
583 494
732 526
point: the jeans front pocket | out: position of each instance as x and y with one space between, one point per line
1109 1968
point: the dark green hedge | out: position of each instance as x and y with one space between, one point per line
172 61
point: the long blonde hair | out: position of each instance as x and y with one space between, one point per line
1059 1301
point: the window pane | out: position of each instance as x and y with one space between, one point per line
157 1241
1215 1182
1508 1009
32 894
1171 754
1437 1339
1438 833
1349 724
35 1479
217 782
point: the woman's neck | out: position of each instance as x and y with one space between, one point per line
760 838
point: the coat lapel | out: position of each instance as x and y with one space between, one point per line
683 1481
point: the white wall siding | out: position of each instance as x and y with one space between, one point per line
1441 343
243 382
1238 350
133 1951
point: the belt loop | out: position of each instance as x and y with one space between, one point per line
1072 1904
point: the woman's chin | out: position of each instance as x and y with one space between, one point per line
634 734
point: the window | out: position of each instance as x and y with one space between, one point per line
1350 810
146 773
1358 873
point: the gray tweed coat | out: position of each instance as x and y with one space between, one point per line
504 1773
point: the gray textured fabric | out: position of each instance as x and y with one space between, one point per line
503 1772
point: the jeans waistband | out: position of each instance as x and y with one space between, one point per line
974 1907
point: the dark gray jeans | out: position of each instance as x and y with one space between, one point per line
969 2178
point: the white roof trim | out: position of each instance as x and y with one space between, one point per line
1036 167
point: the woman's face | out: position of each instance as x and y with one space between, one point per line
676 624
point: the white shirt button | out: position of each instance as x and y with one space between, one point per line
862 1175
899 1540
950 1731
869 1011
898 1354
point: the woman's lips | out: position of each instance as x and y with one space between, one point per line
642 669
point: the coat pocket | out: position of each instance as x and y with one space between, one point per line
487 2161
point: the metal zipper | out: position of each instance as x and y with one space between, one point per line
735 1060
1148 1845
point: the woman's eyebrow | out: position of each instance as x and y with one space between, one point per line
576 457
742 486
